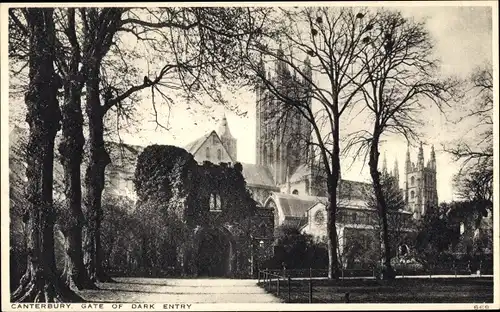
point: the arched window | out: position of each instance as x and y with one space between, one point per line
218 203
272 205
215 202
412 180
319 217
212 202
207 152
214 139
404 250
412 194
219 154
295 192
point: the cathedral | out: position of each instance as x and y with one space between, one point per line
286 181
285 177
420 183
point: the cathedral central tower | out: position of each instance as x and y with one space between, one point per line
283 133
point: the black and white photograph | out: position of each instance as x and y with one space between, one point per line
249 156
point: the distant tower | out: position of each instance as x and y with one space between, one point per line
384 166
420 183
395 172
228 141
282 133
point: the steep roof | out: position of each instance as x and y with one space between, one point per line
354 189
257 175
195 145
295 205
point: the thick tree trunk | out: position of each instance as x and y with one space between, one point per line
41 283
331 227
71 149
98 159
333 267
388 271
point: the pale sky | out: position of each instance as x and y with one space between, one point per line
463 40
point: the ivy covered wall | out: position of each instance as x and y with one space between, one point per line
186 204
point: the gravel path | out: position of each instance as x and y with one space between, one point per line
165 290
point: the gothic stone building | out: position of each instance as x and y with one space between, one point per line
228 227
285 178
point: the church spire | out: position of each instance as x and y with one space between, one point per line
420 160
433 158
227 139
408 160
384 165
224 128
395 171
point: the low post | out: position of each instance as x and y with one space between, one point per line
265 280
289 282
258 276
278 286
454 268
269 281
310 291
310 272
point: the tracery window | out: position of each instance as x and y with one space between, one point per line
319 217
215 202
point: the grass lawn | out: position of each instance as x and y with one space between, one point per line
435 290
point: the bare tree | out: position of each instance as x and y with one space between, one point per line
400 75
199 46
196 46
71 148
474 182
40 282
333 40
67 58
478 108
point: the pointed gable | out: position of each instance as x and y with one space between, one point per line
209 148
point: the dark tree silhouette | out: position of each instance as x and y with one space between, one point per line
40 282
399 73
332 39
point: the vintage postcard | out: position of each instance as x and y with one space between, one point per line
243 156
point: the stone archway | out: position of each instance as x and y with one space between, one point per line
214 253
